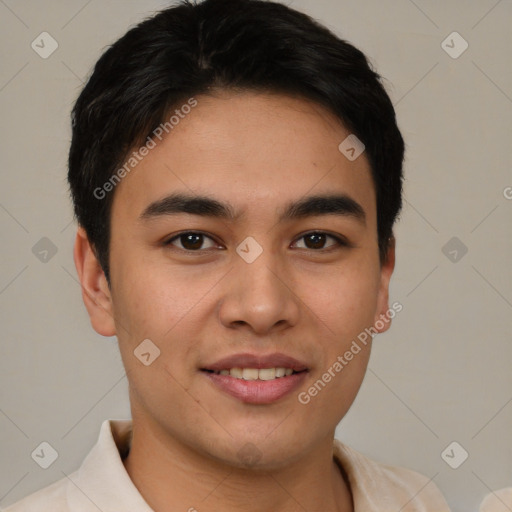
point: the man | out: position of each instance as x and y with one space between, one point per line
236 171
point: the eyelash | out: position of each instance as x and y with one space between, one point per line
340 242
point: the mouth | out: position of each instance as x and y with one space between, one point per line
256 379
264 374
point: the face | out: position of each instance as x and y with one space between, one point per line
248 278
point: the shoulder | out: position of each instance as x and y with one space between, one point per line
52 497
497 501
100 483
375 485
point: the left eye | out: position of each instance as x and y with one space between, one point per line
193 241
316 240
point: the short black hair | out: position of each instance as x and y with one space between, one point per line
193 48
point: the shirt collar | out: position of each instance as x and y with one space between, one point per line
102 482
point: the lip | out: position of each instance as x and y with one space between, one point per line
259 392
259 361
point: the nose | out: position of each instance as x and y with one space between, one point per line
260 296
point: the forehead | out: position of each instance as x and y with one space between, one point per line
252 150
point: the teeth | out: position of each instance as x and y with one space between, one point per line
236 372
267 374
280 372
257 374
250 373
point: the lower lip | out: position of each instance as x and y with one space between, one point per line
257 391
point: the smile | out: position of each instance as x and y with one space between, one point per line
256 373
261 386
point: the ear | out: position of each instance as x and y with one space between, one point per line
95 290
383 295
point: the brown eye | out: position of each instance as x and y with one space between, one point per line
190 241
316 240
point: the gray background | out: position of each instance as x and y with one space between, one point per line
440 374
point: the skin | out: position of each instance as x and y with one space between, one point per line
258 152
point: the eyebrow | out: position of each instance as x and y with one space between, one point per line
327 204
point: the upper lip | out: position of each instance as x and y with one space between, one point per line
247 360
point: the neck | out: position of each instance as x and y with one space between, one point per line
169 474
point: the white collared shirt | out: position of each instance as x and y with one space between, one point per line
103 484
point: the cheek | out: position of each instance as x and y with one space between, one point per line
346 301
164 306
149 308
146 302
346 307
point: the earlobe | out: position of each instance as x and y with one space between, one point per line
95 290
382 320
